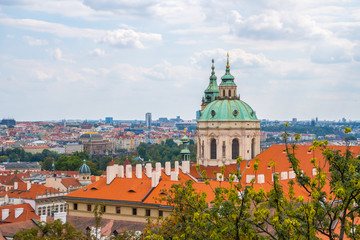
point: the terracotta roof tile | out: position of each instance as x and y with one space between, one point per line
70 182
27 214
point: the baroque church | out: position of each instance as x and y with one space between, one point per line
227 127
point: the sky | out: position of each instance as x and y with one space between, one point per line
91 59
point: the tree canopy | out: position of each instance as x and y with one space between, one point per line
328 210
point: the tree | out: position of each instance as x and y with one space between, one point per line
241 212
47 164
50 231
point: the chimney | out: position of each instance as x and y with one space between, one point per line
155 178
28 186
121 171
174 176
177 167
61 216
18 212
16 185
42 218
4 214
158 167
185 167
148 169
128 171
110 174
138 171
167 168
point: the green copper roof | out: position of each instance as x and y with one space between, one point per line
227 79
228 110
212 91
185 151
185 139
84 169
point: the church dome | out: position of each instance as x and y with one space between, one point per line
228 110
91 136
84 169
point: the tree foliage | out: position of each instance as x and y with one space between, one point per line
166 152
241 212
50 231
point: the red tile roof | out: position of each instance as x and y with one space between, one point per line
27 214
22 192
120 189
70 182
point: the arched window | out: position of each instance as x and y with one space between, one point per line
202 149
252 148
223 149
223 93
213 149
235 149
229 93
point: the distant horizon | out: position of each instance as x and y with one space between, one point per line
156 119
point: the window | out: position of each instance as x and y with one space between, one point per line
104 209
134 211
147 212
253 148
223 93
213 149
235 149
229 93
89 207
118 211
161 213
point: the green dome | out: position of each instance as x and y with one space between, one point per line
185 151
184 139
84 169
228 110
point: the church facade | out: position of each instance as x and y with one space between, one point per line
228 127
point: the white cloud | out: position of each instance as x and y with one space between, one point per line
118 37
57 29
57 55
274 25
129 38
68 8
178 12
35 42
237 56
330 53
97 52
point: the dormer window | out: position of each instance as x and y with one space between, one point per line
132 191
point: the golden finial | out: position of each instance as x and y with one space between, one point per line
227 63
184 129
212 67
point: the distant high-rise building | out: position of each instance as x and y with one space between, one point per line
313 123
10 122
109 120
148 120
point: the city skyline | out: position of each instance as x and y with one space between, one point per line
91 59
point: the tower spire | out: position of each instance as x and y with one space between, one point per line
227 62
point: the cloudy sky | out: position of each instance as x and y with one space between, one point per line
88 59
